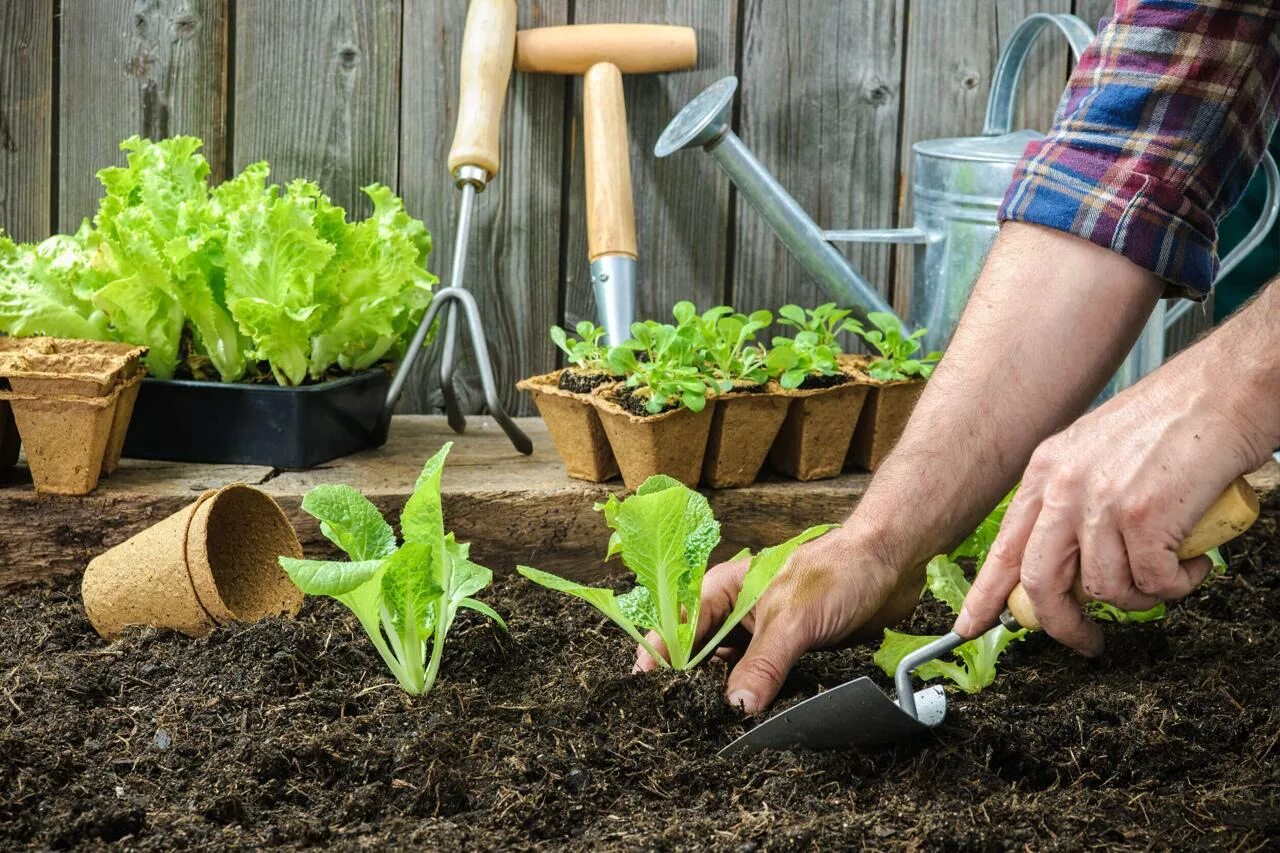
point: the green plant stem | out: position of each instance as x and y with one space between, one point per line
374 631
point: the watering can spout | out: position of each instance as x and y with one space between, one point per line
705 123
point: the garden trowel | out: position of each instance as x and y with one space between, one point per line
859 715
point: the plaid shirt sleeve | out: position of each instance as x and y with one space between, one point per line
1159 130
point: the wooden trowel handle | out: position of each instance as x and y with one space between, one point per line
611 217
488 49
1234 512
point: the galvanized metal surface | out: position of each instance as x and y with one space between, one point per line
613 279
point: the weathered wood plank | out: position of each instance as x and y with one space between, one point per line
512 508
1093 11
682 207
513 262
317 92
823 117
951 54
151 67
26 117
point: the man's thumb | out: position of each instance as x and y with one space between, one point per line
756 680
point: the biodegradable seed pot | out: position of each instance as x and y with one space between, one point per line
66 439
573 421
744 425
884 415
815 435
673 442
212 563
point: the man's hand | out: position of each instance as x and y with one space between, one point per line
831 590
1111 498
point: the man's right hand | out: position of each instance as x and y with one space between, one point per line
830 591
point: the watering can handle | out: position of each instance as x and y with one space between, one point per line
1004 83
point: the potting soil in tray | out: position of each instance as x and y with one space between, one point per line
292 733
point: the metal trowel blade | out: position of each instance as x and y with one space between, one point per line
855 715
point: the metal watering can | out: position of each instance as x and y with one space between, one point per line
959 186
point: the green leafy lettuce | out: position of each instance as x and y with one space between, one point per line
406 597
664 534
245 277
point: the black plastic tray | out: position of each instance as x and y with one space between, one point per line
246 424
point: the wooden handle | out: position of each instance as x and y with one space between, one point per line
488 46
633 48
611 216
1234 512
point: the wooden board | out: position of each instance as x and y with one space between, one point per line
681 203
155 68
26 117
513 262
951 55
823 119
512 508
317 93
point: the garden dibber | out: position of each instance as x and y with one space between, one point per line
860 715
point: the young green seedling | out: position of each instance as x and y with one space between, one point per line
726 343
665 533
793 360
826 322
406 598
896 361
660 364
587 350
946 581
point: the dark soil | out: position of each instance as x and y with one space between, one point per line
290 733
583 382
814 380
635 403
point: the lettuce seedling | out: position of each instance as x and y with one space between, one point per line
896 361
826 322
975 668
726 344
793 360
665 533
946 581
660 363
587 351
405 597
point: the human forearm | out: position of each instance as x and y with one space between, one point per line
1018 368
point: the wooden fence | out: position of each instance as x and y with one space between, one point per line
834 92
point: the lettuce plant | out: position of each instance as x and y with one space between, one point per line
405 597
897 351
587 350
975 668
825 322
726 341
793 360
248 278
665 533
660 363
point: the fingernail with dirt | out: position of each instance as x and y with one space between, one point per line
744 700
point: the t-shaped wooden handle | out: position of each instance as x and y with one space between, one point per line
488 46
1234 512
634 48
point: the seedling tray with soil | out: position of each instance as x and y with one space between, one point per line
291 733
258 424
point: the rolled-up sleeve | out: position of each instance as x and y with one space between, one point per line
1163 122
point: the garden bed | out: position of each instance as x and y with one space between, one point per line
292 733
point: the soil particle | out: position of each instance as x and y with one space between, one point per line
583 382
290 733
635 403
